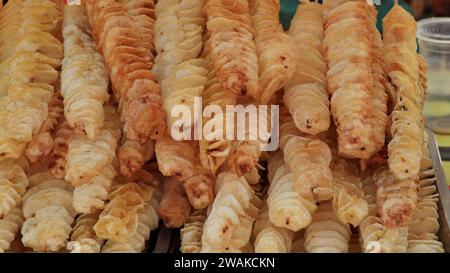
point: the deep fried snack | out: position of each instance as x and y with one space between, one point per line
406 73
84 78
192 231
41 145
89 164
132 156
397 200
229 224
270 238
13 185
275 50
148 219
175 207
119 220
348 203
83 238
326 234
200 187
305 94
10 224
309 159
47 207
233 50
129 60
175 158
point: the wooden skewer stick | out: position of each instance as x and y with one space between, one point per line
395 2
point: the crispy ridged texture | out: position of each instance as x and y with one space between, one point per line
275 50
147 221
270 238
402 64
326 234
41 145
200 187
214 152
132 156
191 232
175 158
89 164
60 147
348 203
309 160
305 94
47 207
30 57
119 220
84 79
10 224
356 78
13 185
375 237
397 200
129 60
228 226
83 238
233 50
175 207
287 207
424 226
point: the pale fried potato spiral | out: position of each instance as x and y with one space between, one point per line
275 50
305 94
13 185
47 207
10 224
83 238
191 232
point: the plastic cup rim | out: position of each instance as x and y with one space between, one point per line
426 21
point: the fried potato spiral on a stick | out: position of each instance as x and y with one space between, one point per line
175 207
61 145
233 50
402 64
89 164
84 79
13 185
229 224
275 50
49 214
305 93
10 224
83 238
191 232
129 60
270 238
132 155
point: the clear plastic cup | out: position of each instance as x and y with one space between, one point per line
433 36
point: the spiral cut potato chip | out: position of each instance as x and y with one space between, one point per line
89 164
348 202
132 155
83 238
84 78
233 50
42 144
424 225
30 58
175 207
270 238
404 70
175 158
129 60
200 187
10 224
228 226
275 50
49 214
119 220
191 232
148 219
13 185
397 200
214 152
355 77
326 234
305 94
